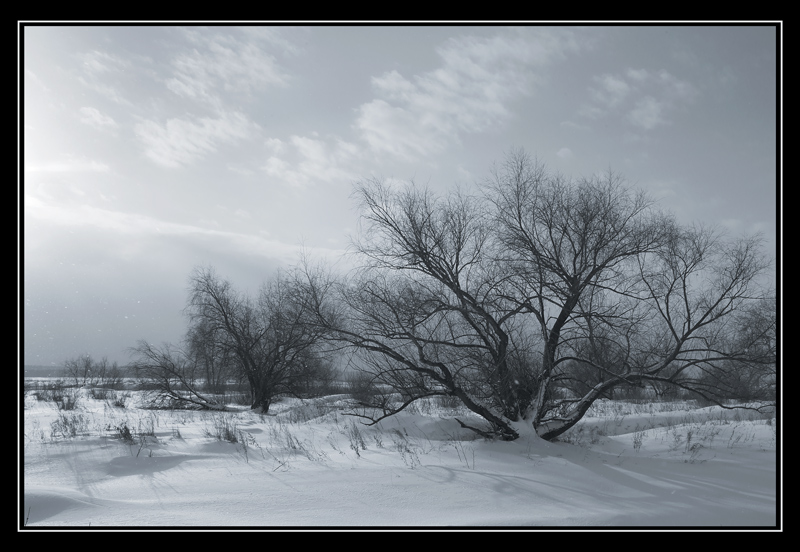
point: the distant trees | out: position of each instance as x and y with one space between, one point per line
750 374
529 301
86 371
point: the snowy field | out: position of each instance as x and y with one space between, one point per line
99 464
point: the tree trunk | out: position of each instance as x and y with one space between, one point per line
259 393
261 400
551 430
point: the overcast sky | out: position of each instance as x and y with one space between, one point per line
151 150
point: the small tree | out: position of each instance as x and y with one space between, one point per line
79 369
168 376
268 339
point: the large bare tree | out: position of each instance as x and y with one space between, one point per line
503 298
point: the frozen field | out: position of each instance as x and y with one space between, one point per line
99 464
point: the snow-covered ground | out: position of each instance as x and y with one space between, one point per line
309 465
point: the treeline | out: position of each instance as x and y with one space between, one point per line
31 371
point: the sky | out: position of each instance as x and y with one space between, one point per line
150 150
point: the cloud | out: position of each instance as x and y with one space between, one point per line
676 88
565 153
646 98
96 67
637 75
274 36
239 169
469 92
142 227
647 113
223 62
275 145
96 62
69 164
611 91
304 160
95 119
31 77
108 92
398 131
180 142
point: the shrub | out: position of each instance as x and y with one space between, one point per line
123 432
638 439
67 400
223 428
355 438
120 399
101 393
69 425
51 391
42 395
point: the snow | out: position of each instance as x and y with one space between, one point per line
307 465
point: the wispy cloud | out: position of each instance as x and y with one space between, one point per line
96 62
143 226
239 169
31 77
223 62
275 37
109 92
611 90
69 164
648 113
96 67
303 160
179 142
92 117
469 92
399 131
645 98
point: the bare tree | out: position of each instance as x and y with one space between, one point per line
428 311
170 377
272 346
618 287
701 287
532 301
216 364
571 248
755 373
79 369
